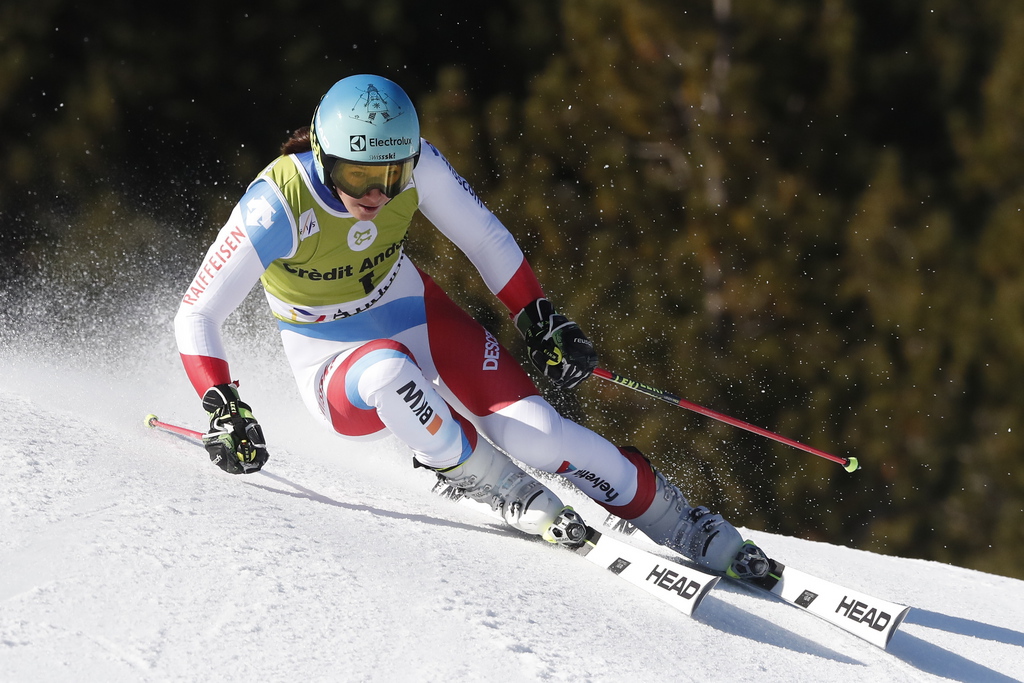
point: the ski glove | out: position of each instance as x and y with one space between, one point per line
558 348
235 440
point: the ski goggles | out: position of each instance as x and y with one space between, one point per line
356 180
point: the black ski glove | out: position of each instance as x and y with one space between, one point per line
235 440
558 348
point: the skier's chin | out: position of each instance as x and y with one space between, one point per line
365 208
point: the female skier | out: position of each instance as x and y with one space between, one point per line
376 346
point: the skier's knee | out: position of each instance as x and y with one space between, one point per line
384 363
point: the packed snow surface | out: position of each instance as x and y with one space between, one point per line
126 556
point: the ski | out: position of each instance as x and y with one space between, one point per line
871 618
680 586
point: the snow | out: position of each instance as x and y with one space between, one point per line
126 556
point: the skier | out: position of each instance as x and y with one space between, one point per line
377 347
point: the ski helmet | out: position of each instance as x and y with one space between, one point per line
365 134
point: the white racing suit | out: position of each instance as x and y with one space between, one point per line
377 347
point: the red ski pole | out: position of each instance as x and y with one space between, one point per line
188 434
849 464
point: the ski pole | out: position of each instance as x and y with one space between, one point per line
188 434
849 464
194 437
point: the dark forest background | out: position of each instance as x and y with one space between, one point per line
806 214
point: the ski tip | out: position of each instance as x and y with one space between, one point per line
150 421
852 465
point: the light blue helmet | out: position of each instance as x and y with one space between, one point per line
367 120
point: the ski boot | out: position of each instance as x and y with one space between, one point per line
697 534
490 477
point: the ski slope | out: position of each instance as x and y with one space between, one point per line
126 556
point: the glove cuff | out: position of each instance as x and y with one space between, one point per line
535 313
218 396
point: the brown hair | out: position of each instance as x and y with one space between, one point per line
298 142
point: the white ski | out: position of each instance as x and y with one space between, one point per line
681 586
868 617
873 619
